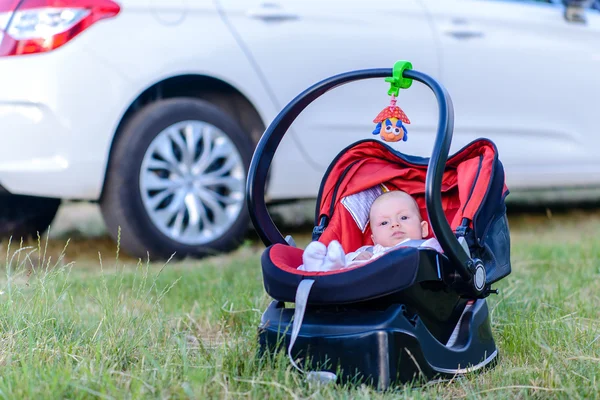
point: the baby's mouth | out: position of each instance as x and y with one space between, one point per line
398 234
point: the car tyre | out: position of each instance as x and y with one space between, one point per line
154 149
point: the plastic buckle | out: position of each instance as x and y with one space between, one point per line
317 232
465 232
319 229
461 231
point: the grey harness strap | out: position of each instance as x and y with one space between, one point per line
301 300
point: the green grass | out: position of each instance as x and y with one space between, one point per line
73 325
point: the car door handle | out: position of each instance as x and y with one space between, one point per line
462 29
271 12
464 34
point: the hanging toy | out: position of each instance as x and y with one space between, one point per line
390 125
390 121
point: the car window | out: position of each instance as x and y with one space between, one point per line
531 1
594 4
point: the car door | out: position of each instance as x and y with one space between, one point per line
297 43
522 75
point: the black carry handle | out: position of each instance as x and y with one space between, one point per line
268 143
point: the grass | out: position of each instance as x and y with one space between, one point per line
76 324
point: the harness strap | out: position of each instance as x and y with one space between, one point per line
301 300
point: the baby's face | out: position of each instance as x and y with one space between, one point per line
394 219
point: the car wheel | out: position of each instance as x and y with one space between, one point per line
26 216
176 181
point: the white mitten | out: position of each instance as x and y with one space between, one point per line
335 258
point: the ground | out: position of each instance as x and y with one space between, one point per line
89 322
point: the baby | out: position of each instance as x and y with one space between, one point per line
394 219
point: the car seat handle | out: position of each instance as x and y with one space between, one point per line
268 143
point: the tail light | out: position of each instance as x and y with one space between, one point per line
38 26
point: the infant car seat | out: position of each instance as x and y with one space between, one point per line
414 313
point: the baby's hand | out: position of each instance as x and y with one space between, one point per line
365 255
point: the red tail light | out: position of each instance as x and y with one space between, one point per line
38 26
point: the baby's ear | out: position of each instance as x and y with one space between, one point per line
424 229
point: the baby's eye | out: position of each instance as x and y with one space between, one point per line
383 223
404 218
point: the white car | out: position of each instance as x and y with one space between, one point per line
153 108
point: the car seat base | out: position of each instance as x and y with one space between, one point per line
380 347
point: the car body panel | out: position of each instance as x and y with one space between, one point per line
520 74
504 63
315 40
72 107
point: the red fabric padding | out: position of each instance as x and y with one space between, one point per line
464 184
286 257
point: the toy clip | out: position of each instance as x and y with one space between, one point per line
397 80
